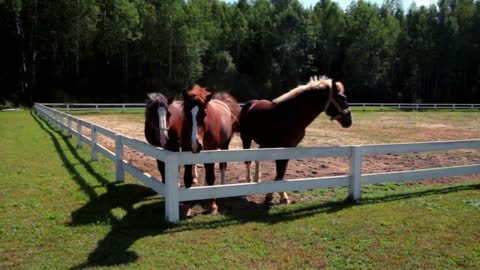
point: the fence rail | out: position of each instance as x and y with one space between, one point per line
401 106
174 194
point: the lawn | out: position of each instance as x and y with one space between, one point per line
60 210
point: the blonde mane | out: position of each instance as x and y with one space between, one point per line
198 93
315 83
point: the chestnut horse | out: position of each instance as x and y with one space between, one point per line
209 124
282 122
163 125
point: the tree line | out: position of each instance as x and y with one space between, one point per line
118 50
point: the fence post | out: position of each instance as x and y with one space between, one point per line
93 135
79 134
123 107
119 173
96 107
55 121
68 107
51 119
171 188
354 192
61 122
69 126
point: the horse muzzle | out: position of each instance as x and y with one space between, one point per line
344 119
346 122
197 147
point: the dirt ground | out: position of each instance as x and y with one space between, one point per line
384 128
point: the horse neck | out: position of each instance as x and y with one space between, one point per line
305 107
186 131
150 133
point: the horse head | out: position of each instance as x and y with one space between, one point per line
157 119
336 106
195 103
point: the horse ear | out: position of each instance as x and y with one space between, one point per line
208 97
334 85
339 86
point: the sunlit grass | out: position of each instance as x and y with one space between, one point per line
60 210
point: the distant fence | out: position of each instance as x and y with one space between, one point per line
174 194
401 106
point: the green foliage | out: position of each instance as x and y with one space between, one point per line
120 49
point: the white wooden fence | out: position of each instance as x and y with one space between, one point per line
402 106
174 194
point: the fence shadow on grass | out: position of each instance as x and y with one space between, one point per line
113 249
142 212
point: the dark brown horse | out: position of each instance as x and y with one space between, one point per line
163 125
282 122
209 124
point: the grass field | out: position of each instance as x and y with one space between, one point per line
60 210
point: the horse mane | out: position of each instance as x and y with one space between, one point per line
199 93
155 98
232 104
315 83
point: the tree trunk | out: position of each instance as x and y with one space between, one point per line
23 67
170 49
34 54
125 66
77 43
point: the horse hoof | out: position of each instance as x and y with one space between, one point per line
186 211
269 199
213 208
284 201
213 211
195 181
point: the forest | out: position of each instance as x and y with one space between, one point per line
118 50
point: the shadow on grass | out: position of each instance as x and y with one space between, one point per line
144 211
113 249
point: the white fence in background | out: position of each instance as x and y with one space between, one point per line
401 106
174 194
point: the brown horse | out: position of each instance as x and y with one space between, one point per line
209 124
163 125
282 122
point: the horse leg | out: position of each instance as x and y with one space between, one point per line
249 176
281 169
161 168
223 168
247 143
223 165
281 166
210 178
195 174
257 172
187 181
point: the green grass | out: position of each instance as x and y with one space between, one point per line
60 210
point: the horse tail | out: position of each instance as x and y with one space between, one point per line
243 117
234 107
